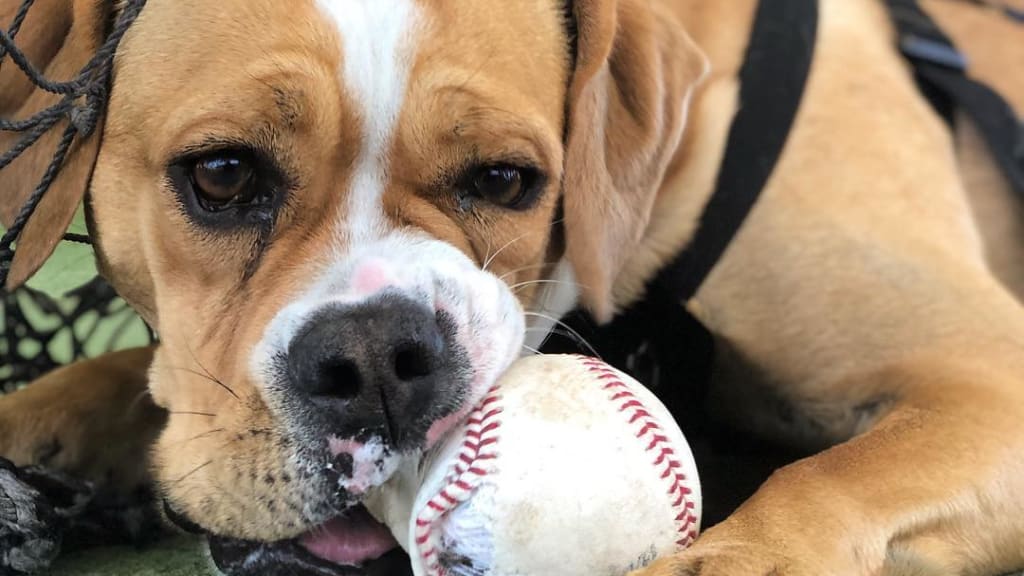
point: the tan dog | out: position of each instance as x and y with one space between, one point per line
277 180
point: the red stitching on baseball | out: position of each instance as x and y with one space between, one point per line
630 405
638 415
478 449
649 428
657 441
665 453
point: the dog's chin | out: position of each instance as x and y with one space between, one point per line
353 544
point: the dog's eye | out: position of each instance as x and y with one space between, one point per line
504 184
229 185
222 180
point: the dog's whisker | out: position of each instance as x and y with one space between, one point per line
552 331
206 371
135 401
209 374
188 413
574 334
184 369
490 259
220 383
548 333
206 434
525 268
205 376
198 436
531 349
193 471
520 285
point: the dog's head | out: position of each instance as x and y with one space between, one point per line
341 215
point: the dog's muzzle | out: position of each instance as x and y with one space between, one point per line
369 370
386 350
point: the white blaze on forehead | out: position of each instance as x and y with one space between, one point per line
378 41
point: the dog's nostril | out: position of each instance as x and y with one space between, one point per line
411 362
339 379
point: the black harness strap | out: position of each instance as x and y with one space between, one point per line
941 70
772 81
657 336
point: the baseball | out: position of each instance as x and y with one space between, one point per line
567 467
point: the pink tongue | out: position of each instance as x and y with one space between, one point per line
351 539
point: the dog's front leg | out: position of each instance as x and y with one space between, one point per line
933 488
92 419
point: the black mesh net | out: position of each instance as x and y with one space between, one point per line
41 332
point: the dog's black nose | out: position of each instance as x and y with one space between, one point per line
374 366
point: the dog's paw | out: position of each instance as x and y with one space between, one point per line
741 564
735 557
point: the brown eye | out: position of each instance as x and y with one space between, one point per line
222 180
504 184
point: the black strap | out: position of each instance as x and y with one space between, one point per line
657 340
772 82
941 70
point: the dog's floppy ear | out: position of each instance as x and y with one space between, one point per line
635 71
58 37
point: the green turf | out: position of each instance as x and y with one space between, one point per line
71 266
175 557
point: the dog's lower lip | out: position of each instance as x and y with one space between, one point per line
351 539
180 520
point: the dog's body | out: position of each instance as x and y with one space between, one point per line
869 299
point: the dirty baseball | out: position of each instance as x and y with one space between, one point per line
567 467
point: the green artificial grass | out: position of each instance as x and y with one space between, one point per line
173 557
71 266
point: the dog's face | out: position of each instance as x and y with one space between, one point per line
334 206
337 213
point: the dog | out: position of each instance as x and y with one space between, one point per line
346 218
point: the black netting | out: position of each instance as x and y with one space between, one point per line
40 333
